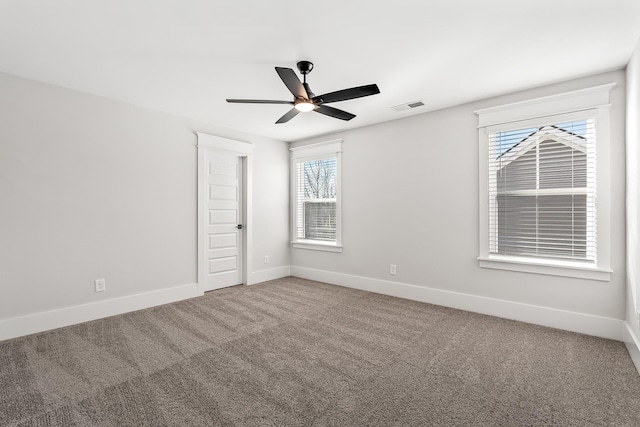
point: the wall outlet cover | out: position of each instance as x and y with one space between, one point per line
101 285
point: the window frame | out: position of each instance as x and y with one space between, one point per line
305 153
590 102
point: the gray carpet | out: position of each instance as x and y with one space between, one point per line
293 352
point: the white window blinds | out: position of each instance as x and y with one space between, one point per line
542 191
315 196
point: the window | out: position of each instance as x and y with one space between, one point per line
542 192
316 196
544 185
316 200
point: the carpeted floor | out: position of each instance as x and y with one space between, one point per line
293 352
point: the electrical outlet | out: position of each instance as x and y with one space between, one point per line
101 285
266 259
392 269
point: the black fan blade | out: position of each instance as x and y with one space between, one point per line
258 101
290 115
333 112
345 94
291 80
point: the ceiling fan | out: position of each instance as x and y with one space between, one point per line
305 100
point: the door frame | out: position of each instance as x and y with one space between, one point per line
244 150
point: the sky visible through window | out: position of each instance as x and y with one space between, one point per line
508 139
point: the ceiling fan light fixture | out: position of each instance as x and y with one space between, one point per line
304 106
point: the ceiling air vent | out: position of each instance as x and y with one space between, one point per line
407 105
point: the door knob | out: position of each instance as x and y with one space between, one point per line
239 226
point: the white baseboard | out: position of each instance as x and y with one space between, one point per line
269 274
561 319
632 341
44 321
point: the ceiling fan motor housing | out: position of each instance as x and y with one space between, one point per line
308 89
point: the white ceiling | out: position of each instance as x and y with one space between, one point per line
186 56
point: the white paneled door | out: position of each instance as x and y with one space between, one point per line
224 226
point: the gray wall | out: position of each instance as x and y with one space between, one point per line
633 192
92 188
410 198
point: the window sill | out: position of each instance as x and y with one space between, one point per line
547 267
317 246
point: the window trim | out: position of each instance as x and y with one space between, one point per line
310 152
593 102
